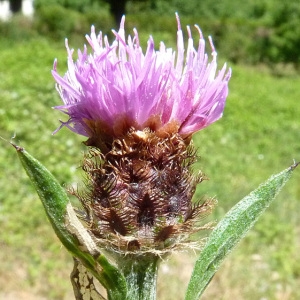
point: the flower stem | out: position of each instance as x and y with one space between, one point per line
140 272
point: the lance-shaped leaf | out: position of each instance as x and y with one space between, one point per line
68 228
231 229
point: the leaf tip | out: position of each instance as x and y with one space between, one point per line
294 166
18 148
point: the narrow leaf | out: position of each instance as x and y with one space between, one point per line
68 228
231 229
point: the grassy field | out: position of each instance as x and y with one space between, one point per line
258 136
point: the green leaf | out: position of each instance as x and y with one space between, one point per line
68 228
231 229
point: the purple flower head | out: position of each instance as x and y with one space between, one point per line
119 87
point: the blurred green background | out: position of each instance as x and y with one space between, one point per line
258 135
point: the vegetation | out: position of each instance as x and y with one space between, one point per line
258 136
264 31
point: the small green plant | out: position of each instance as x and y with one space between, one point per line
137 207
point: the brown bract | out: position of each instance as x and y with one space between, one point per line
102 135
139 191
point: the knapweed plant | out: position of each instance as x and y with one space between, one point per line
138 110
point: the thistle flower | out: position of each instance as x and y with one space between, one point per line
139 112
118 87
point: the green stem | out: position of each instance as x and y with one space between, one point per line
140 272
